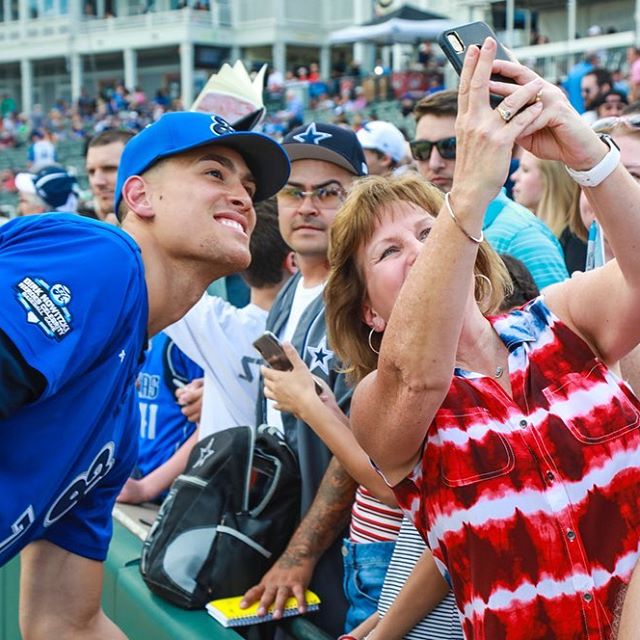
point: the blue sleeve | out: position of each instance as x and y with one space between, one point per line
65 285
540 255
19 383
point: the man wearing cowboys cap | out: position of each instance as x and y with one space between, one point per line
325 160
79 300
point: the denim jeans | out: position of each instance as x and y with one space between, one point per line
365 566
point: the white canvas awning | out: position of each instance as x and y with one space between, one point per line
393 31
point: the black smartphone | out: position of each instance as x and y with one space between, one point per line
456 41
271 350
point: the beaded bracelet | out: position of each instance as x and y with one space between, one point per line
453 217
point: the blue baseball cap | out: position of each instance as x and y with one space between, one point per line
180 131
328 142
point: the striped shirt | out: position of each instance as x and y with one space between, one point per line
443 623
511 228
533 503
372 520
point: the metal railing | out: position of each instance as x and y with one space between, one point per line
147 20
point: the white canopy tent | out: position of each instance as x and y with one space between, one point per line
393 31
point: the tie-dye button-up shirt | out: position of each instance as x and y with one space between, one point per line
532 504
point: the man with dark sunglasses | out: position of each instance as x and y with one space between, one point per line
508 227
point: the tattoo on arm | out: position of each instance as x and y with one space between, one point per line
328 515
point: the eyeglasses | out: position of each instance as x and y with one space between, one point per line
421 149
631 121
331 195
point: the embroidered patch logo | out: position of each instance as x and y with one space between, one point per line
46 306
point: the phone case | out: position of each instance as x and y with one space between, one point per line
271 350
471 33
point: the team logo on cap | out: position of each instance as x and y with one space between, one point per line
311 136
220 127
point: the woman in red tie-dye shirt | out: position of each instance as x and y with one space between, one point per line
506 439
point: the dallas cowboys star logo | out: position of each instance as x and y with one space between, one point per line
205 453
320 356
311 136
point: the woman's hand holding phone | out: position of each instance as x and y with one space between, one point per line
483 132
559 133
294 391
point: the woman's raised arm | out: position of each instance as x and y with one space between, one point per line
393 406
603 305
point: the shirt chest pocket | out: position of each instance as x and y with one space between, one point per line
470 450
594 406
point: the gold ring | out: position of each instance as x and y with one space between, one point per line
505 114
539 96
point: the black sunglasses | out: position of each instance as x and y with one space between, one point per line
421 149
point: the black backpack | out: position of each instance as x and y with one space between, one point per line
226 520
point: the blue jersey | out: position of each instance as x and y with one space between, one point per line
74 303
163 427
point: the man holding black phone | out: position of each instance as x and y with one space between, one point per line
325 160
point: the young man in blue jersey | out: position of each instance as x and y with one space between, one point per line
79 299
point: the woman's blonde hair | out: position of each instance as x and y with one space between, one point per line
576 226
346 291
559 196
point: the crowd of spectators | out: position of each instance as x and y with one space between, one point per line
345 95
288 95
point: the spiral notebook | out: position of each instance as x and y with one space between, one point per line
228 613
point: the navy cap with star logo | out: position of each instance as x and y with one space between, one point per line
328 142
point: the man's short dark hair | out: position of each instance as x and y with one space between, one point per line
110 136
524 286
268 249
440 104
598 102
603 76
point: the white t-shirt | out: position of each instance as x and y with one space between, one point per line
302 298
219 337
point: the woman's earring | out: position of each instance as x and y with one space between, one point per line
371 343
488 287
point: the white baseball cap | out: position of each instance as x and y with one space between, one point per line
385 137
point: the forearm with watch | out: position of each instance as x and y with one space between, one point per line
615 198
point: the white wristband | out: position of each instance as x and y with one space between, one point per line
602 170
